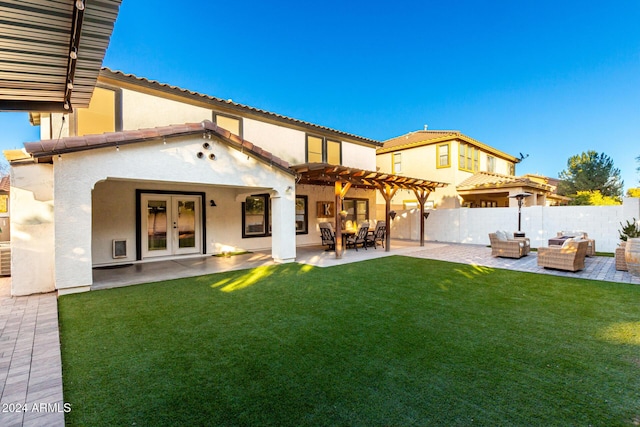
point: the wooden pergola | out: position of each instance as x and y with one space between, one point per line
342 178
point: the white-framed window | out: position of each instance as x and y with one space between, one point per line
491 164
443 155
468 157
397 163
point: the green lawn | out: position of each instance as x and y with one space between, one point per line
388 342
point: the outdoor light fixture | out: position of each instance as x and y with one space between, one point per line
212 203
80 4
73 54
69 85
425 214
392 214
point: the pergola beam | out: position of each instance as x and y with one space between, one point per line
343 178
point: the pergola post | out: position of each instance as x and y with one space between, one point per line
339 191
422 196
387 193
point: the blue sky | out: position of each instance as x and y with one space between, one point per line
547 79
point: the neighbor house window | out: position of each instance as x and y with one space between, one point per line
491 164
443 156
232 124
322 150
512 169
397 163
255 216
468 157
302 215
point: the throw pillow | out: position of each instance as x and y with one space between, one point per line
501 235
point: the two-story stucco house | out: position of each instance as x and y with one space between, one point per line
479 175
151 171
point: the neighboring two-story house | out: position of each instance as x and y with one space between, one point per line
479 175
150 171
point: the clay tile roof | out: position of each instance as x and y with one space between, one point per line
45 149
428 137
420 137
484 180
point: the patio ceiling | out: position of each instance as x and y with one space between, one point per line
51 52
326 174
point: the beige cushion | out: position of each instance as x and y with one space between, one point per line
567 242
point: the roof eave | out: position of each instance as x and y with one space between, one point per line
130 81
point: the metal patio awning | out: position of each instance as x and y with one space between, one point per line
51 52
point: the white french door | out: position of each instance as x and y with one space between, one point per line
171 225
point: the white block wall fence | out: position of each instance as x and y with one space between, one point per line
540 223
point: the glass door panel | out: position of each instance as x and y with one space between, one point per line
171 225
157 226
186 224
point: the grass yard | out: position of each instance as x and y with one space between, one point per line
395 341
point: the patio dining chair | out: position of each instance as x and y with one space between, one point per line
377 236
360 238
328 235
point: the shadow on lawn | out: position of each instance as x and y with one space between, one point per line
248 278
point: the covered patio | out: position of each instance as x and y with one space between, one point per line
138 273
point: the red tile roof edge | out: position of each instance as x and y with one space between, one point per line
47 148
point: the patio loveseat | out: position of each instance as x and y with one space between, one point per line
503 244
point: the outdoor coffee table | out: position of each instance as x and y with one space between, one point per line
559 241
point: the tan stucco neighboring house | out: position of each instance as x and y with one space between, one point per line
443 155
485 190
